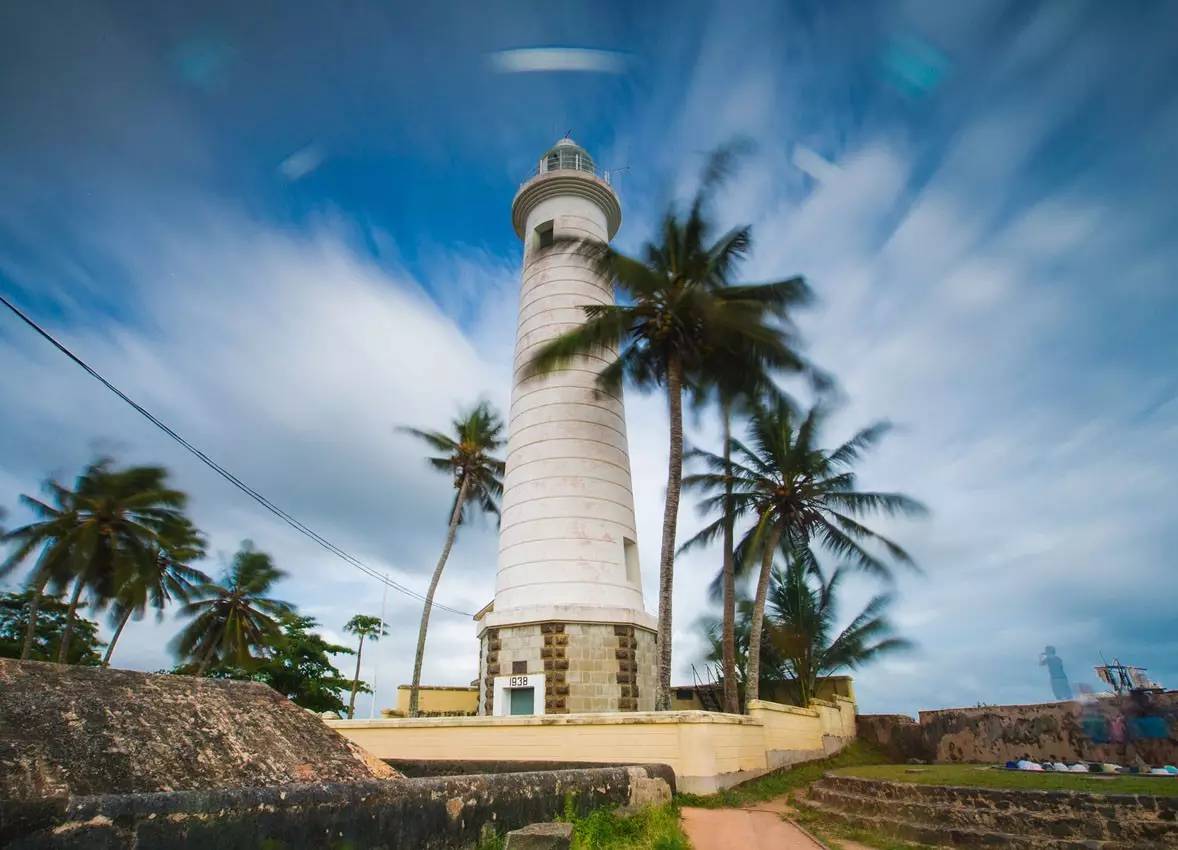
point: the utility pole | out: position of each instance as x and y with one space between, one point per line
376 662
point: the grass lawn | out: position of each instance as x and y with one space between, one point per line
981 776
833 833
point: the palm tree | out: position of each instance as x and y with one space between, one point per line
364 626
735 381
233 620
466 454
800 627
166 577
681 313
50 533
94 535
799 647
798 495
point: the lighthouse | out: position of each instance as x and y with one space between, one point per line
567 631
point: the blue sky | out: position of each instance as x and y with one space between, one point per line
286 232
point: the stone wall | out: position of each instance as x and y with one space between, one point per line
67 730
989 817
1106 729
412 814
587 667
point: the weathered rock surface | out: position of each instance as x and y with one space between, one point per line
449 813
1054 731
69 731
991 817
541 836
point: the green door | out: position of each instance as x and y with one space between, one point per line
523 701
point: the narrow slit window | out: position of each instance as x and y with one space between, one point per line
630 549
545 235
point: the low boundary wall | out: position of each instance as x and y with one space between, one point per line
1105 729
413 814
708 751
991 817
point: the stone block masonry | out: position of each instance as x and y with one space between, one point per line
587 667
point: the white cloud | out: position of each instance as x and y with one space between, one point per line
994 272
290 360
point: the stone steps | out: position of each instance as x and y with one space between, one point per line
976 817
953 836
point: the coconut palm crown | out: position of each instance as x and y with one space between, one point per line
157 582
797 495
801 624
363 626
94 536
233 622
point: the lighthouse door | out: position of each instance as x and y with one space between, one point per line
523 701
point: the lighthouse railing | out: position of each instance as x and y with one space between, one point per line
567 162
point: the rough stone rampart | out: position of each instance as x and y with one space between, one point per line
69 730
989 817
1105 730
413 814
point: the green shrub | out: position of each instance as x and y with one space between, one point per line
655 828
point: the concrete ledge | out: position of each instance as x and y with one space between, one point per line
601 614
761 705
626 718
415 814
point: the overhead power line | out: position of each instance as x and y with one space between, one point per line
294 523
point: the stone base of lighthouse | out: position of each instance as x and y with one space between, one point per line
569 668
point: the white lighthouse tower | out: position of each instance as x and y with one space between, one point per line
567 631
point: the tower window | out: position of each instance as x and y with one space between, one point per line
545 235
630 548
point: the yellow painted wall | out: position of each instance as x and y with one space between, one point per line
708 751
434 699
787 728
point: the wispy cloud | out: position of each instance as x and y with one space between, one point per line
558 59
993 254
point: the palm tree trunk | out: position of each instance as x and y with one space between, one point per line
68 631
31 628
115 637
356 680
451 533
752 687
728 592
205 658
670 521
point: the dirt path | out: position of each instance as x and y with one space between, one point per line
759 828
